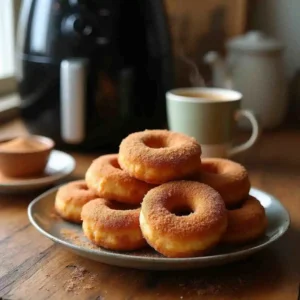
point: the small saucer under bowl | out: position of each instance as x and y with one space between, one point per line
59 166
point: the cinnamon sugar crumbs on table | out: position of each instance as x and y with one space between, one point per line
77 277
80 279
93 277
70 286
88 287
213 286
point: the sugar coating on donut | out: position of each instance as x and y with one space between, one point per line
229 178
70 198
247 223
112 225
158 156
108 180
183 236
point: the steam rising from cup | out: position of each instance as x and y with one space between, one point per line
195 77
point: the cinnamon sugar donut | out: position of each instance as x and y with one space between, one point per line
158 156
246 223
109 181
229 178
112 225
188 235
70 199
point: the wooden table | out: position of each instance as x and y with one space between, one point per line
33 267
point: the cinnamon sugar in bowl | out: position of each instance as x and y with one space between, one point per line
25 156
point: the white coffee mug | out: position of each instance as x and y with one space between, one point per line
210 116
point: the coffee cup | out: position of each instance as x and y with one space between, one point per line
210 116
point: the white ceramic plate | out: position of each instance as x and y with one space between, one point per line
40 213
59 166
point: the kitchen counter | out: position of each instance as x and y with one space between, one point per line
33 267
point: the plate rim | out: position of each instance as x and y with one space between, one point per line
43 180
158 260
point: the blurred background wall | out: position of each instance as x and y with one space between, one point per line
280 19
200 26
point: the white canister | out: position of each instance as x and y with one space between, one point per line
254 67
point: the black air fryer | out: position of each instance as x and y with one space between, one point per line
90 72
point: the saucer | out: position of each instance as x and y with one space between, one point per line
59 166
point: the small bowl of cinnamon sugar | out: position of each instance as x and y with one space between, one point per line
25 156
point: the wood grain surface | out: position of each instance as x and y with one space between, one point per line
33 267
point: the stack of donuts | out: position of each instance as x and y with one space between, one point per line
158 192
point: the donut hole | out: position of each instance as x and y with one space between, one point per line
181 211
156 142
235 207
210 168
115 164
121 206
83 187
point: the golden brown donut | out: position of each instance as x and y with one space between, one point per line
183 236
158 156
70 199
229 178
109 181
246 223
112 225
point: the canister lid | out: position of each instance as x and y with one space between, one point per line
254 41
